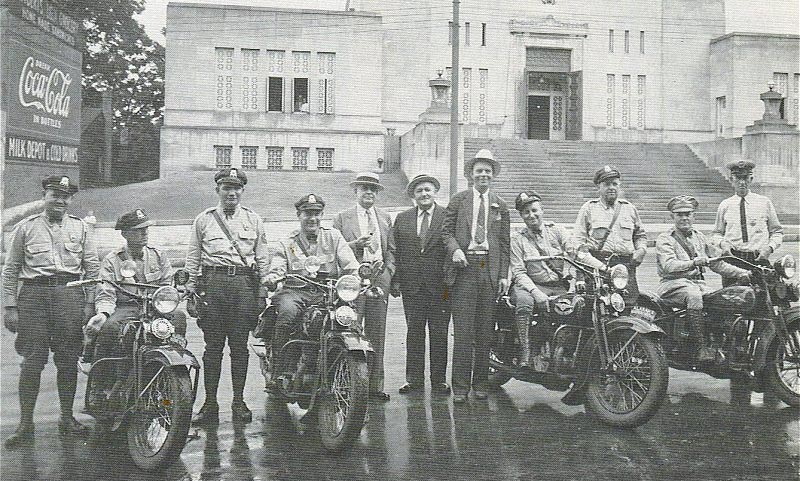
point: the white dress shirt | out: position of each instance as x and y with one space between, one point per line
476 205
763 226
363 225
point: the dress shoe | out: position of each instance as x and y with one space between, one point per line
23 435
379 396
410 387
69 425
459 398
480 395
207 416
440 388
241 413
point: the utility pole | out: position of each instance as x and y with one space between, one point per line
454 103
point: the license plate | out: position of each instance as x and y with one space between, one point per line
644 313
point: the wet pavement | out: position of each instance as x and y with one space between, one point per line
706 430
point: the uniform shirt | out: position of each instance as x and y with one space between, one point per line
363 225
40 248
553 240
675 263
209 246
763 227
627 234
335 255
476 206
152 268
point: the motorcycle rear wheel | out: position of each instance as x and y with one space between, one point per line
783 370
157 431
501 353
630 395
342 409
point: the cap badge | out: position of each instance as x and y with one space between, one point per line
139 214
523 196
64 181
312 199
606 169
234 173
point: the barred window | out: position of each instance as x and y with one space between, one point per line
274 158
325 159
249 158
223 156
611 41
627 41
327 65
249 79
224 78
299 158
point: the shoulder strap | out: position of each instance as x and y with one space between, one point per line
688 248
547 263
617 209
227 232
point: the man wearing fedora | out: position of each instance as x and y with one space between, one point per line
476 235
368 231
46 251
420 279
227 262
113 309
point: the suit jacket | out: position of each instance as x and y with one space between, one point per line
457 231
347 223
419 261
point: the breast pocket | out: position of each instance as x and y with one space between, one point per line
38 255
73 253
247 241
217 244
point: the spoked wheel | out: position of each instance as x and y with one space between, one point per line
157 430
630 392
783 368
501 353
343 407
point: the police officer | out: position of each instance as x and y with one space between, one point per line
227 262
747 224
113 309
682 253
46 251
534 281
328 245
609 226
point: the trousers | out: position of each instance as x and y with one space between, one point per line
425 309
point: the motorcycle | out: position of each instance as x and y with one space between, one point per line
325 361
609 362
753 329
153 392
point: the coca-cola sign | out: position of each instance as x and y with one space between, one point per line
44 87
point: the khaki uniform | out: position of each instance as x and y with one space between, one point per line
553 240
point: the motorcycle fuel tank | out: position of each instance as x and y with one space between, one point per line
733 299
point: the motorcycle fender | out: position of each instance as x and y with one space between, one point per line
634 323
650 300
352 341
170 356
791 316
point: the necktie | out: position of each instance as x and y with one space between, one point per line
371 225
743 220
423 229
480 231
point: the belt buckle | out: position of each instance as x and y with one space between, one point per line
231 271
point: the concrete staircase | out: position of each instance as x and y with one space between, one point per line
562 173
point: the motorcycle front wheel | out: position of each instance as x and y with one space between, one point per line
628 394
343 407
157 430
783 367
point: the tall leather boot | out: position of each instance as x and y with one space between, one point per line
28 392
694 317
522 318
67 381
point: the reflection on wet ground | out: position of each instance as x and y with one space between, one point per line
511 436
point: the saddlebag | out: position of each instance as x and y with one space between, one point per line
733 299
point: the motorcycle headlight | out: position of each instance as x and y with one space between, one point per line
786 267
162 328
617 302
347 287
365 270
346 316
619 276
166 299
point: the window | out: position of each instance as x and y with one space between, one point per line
721 106
327 65
483 35
325 159
300 68
466 34
224 75
795 101
626 101
249 79
274 158
450 33
782 87
249 158
483 88
299 158
610 101
611 41
641 41
466 86
223 156
300 95
275 94
627 41
641 94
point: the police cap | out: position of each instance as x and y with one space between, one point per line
741 167
231 176
525 198
605 173
310 202
59 182
135 219
682 203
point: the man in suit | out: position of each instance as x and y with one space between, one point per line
368 232
476 235
420 280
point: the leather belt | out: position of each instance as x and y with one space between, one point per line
745 255
477 253
51 281
230 271
603 256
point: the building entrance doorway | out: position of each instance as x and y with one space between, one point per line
539 117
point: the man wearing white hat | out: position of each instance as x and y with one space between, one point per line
368 231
